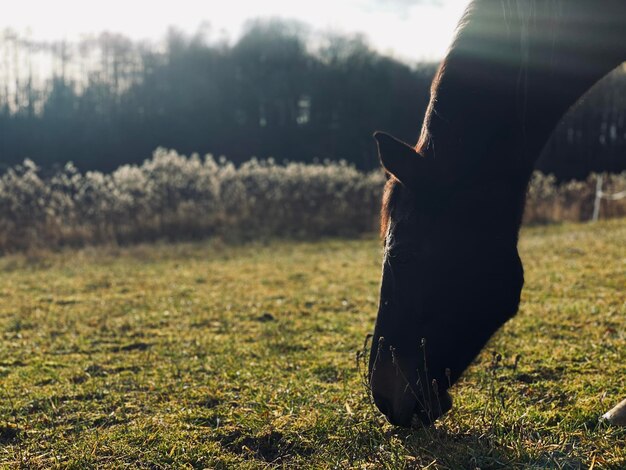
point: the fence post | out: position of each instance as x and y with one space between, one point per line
598 199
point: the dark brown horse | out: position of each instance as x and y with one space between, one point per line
453 204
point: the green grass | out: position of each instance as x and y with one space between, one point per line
204 355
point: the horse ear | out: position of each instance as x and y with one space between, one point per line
399 159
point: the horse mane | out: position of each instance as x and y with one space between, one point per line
514 14
389 195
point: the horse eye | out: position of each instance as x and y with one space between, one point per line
402 259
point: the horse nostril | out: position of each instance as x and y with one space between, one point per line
394 416
423 417
420 420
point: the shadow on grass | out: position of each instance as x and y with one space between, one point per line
271 447
450 447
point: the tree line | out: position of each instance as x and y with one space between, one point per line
279 91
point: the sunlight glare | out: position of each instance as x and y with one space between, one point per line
408 29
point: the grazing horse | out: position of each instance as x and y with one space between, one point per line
453 203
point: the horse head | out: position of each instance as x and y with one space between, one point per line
451 276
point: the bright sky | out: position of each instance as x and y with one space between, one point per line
408 29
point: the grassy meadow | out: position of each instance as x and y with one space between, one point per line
206 355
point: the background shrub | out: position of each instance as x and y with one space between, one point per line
173 197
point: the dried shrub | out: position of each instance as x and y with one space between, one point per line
174 197
549 202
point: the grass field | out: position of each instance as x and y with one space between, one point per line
211 356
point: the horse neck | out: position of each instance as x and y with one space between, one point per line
512 72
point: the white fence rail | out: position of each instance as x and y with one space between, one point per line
602 195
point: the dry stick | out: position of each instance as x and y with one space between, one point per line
436 390
362 356
404 377
430 404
